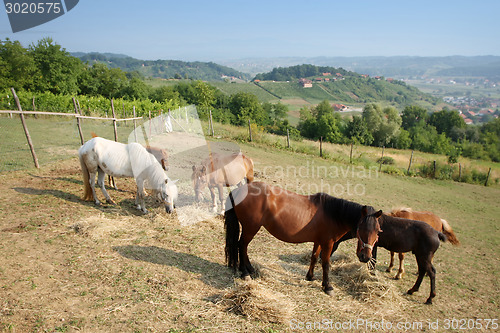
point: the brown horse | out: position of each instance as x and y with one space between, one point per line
401 235
431 219
218 171
290 217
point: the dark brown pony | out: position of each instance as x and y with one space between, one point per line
401 235
290 217
431 219
218 171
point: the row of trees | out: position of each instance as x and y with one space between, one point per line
442 132
46 68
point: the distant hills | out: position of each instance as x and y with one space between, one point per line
397 67
166 69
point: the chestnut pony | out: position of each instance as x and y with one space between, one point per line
217 171
430 218
400 235
290 217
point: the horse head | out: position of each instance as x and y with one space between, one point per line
367 234
169 194
199 178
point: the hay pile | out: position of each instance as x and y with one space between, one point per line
100 227
250 299
354 277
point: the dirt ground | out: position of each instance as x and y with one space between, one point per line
68 266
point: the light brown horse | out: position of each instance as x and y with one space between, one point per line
218 171
431 219
290 217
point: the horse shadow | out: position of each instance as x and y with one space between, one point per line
211 273
56 193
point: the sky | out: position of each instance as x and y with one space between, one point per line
232 29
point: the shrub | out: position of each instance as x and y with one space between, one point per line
386 160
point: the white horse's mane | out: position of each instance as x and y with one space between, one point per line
145 165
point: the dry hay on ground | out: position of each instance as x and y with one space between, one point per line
254 301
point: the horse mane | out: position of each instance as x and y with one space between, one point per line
345 211
146 165
401 209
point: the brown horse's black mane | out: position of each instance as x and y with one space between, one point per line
344 211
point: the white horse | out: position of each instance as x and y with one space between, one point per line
102 156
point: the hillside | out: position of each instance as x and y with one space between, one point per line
165 69
397 66
339 85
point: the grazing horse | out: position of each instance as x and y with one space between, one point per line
290 217
103 156
430 218
400 235
218 171
160 154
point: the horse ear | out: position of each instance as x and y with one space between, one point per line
166 181
194 167
204 169
364 211
378 214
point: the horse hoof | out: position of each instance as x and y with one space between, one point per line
429 301
410 292
111 202
388 270
329 291
309 277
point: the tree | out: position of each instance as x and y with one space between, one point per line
413 115
357 131
17 67
246 106
383 124
58 70
205 94
445 120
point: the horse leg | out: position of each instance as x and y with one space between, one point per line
401 270
325 262
245 238
422 269
214 203
139 197
100 182
431 271
221 198
92 186
314 258
391 264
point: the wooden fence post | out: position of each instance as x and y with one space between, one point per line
487 177
409 165
34 107
287 138
78 121
135 125
211 125
26 132
459 172
320 146
250 130
114 120
350 154
381 159
434 162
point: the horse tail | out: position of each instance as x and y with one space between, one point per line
87 193
449 233
250 174
442 237
232 226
